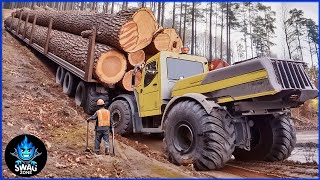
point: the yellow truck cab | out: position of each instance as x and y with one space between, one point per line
207 116
159 76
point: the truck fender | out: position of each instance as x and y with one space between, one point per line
134 110
206 102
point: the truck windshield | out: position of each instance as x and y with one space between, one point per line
181 68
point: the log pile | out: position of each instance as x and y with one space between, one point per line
123 39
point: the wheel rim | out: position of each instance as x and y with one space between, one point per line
184 138
58 76
79 95
67 81
116 117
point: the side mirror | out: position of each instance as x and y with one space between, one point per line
136 68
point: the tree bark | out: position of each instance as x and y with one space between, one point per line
174 15
221 35
192 29
184 23
110 64
159 12
125 30
180 21
162 13
112 7
210 33
216 34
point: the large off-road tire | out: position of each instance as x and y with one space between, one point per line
70 83
193 136
120 113
273 139
60 75
91 98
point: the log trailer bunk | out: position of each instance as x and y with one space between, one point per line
204 116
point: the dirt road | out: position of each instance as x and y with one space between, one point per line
33 103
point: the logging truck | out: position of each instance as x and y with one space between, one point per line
205 116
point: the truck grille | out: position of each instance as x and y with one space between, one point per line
291 75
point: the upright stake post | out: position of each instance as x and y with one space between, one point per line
90 60
32 29
25 26
46 46
12 16
19 23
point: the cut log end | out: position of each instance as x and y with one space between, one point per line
111 67
143 31
165 40
136 57
129 36
162 42
127 80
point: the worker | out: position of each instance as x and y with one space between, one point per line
103 125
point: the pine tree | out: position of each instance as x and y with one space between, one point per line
296 20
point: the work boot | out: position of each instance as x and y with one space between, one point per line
107 151
97 152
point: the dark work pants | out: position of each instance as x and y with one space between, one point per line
99 135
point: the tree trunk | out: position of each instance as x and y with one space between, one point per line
310 50
184 23
124 30
162 14
210 33
192 29
110 64
195 32
315 47
250 27
112 7
300 48
180 21
216 33
227 31
174 15
106 7
287 42
123 7
159 12
245 35
165 40
221 31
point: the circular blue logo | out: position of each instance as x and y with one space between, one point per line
26 155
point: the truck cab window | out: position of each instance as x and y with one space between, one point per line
150 73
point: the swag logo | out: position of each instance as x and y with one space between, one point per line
26 155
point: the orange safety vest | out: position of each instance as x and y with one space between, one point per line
103 117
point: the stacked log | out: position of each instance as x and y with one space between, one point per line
129 31
165 40
123 40
110 64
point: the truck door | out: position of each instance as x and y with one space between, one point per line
149 90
